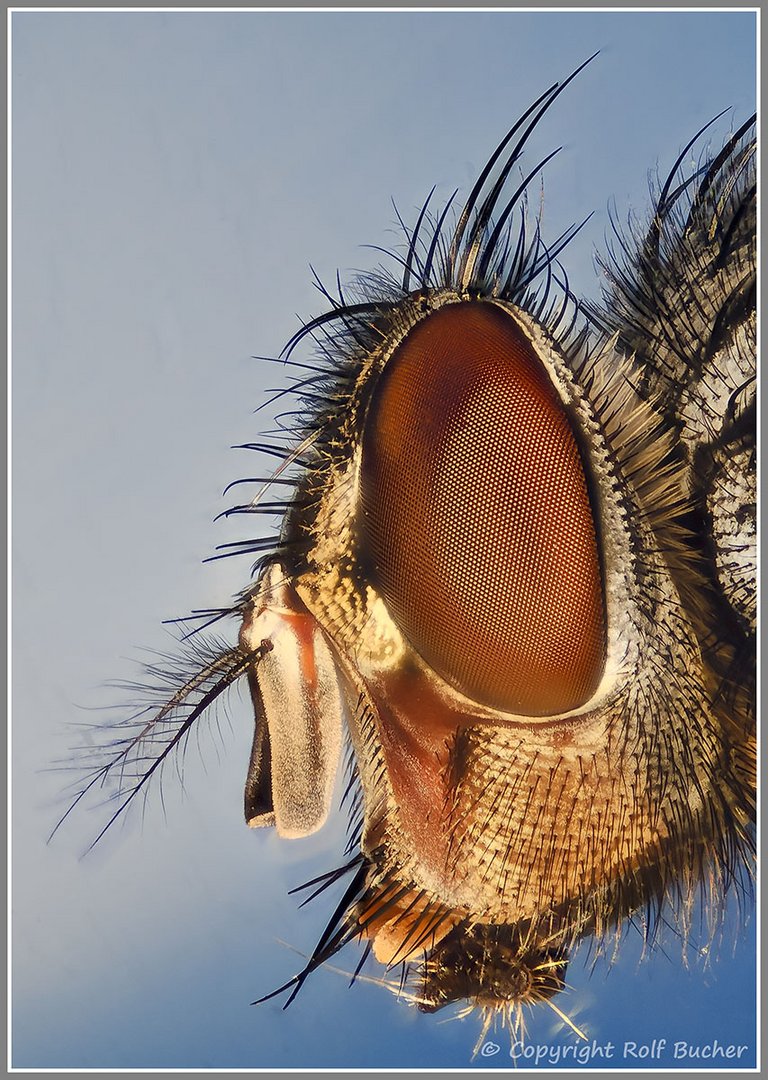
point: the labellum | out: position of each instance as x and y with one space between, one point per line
514 587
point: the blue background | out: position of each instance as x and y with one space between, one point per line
173 175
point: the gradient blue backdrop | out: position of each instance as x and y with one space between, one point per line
173 175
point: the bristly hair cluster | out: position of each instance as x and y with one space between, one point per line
680 299
486 250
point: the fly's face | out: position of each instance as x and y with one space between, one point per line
514 578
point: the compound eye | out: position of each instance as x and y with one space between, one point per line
477 516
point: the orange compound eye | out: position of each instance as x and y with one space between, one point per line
477 516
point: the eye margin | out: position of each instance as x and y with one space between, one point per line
460 344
